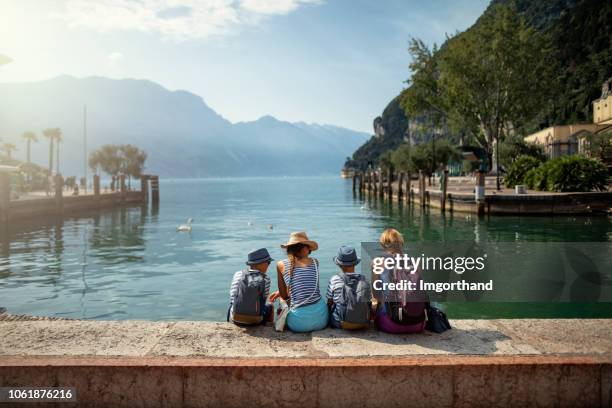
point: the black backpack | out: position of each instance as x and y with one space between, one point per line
354 306
250 298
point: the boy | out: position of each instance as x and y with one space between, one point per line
349 293
249 291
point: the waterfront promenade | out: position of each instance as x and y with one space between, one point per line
520 362
479 195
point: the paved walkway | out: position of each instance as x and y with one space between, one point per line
520 337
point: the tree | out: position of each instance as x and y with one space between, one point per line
29 137
8 149
133 160
386 163
599 145
58 141
401 157
424 157
513 147
495 76
118 159
51 134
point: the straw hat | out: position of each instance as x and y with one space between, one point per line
300 238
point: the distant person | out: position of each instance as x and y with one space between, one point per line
249 291
348 293
298 284
398 311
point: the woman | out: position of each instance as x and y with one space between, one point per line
298 284
398 311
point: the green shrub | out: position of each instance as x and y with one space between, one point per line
568 173
518 170
575 173
535 179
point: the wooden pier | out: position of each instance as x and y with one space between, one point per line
59 203
474 198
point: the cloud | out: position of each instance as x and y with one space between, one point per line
114 56
4 59
175 19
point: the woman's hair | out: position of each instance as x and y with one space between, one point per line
292 253
391 239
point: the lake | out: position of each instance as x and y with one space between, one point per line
131 263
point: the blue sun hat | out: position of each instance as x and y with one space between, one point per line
347 256
258 256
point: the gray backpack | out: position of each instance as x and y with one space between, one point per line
354 307
250 298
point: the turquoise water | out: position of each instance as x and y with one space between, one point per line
132 264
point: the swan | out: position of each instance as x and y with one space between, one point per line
185 227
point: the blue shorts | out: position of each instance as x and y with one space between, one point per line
309 318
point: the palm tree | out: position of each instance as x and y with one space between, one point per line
51 134
9 148
29 137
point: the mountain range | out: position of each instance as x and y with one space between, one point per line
181 134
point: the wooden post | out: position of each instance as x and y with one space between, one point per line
390 184
381 189
96 185
5 197
409 187
375 181
443 187
479 191
422 188
361 183
59 193
155 190
144 188
354 183
400 186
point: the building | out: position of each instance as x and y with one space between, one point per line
571 139
602 107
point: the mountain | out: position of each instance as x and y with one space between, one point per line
182 135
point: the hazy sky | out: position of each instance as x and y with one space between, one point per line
325 61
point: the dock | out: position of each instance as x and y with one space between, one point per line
58 202
475 195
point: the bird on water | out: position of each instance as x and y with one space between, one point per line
185 227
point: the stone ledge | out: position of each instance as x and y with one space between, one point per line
486 363
222 340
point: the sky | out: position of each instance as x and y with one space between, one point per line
325 61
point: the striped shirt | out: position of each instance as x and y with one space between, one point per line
334 292
303 282
236 280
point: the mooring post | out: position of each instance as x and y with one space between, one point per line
5 197
96 185
144 189
390 184
422 188
59 193
381 189
443 187
155 190
354 183
479 192
400 186
361 183
375 181
409 187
